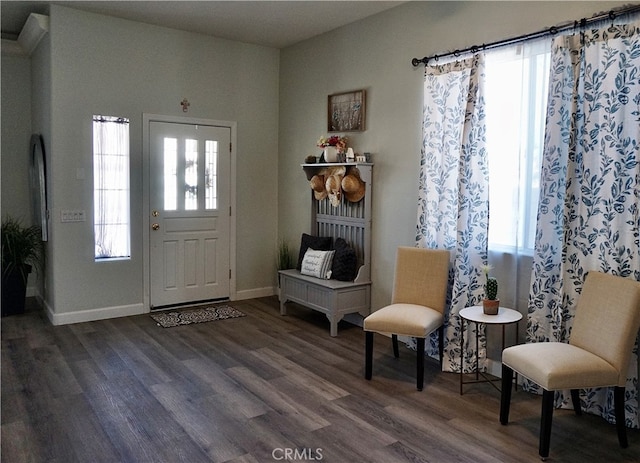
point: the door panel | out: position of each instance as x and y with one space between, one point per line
189 203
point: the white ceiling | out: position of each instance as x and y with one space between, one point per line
270 23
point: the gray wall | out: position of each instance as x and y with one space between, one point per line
91 64
375 54
16 132
16 135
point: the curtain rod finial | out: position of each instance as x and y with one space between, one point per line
416 61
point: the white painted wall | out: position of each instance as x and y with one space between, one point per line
375 54
109 66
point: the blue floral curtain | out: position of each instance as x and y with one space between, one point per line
453 195
588 216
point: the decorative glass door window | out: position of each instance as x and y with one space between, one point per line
191 175
211 175
170 174
187 164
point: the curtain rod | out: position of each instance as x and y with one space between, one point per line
114 119
553 30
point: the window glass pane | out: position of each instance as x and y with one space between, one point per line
191 175
111 187
211 174
516 82
503 108
170 151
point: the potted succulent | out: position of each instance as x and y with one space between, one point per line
491 303
21 252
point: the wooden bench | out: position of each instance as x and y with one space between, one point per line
351 222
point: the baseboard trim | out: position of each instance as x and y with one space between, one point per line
91 315
255 293
104 313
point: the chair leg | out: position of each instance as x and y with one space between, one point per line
575 400
505 395
394 341
368 354
420 363
618 403
545 423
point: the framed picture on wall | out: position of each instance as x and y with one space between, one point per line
346 111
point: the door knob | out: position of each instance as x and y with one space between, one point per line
155 226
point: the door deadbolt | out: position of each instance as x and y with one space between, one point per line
155 213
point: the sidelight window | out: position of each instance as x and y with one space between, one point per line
111 217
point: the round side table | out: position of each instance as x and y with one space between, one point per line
504 317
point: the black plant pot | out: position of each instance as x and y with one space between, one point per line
14 291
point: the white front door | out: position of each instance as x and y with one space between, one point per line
189 186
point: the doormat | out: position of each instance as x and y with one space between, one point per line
201 315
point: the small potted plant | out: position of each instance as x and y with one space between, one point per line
491 302
285 256
21 251
285 259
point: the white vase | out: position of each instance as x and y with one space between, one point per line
330 154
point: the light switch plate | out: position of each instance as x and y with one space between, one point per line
75 215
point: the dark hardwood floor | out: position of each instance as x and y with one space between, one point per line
256 389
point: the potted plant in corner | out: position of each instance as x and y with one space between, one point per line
21 252
285 259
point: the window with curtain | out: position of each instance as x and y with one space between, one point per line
481 197
111 187
589 216
516 88
575 154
